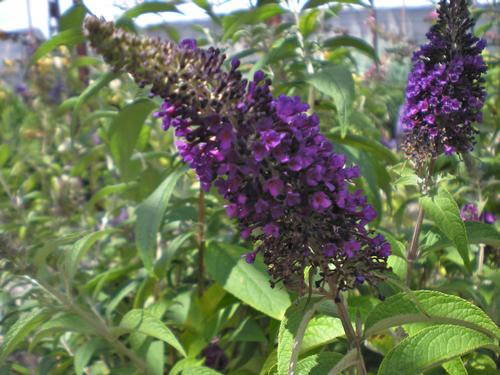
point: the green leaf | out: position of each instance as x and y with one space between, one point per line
318 364
291 332
5 153
430 348
72 18
455 367
351 41
444 211
184 364
317 3
166 258
79 249
247 282
119 296
77 102
321 331
207 7
144 322
201 370
440 309
477 233
366 144
150 217
84 353
234 21
60 324
308 22
346 362
337 83
68 38
147 7
155 357
124 133
20 330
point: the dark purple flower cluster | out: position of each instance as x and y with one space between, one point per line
290 192
470 212
445 93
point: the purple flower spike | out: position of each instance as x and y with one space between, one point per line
445 90
290 192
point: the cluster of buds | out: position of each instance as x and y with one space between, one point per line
445 93
287 188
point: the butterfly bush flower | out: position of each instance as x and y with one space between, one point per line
283 182
445 93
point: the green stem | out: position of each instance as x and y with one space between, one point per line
475 176
353 338
413 250
412 254
200 239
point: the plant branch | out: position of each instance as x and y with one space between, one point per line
412 254
413 250
353 338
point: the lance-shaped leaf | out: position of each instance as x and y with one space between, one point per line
431 347
76 253
351 41
337 83
477 233
68 38
444 211
144 322
150 217
124 133
20 330
440 309
247 282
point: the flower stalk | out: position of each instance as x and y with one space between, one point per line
200 239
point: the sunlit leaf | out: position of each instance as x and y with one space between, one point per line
438 308
444 211
68 38
142 321
432 347
337 83
351 41
124 133
20 330
150 216
247 282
